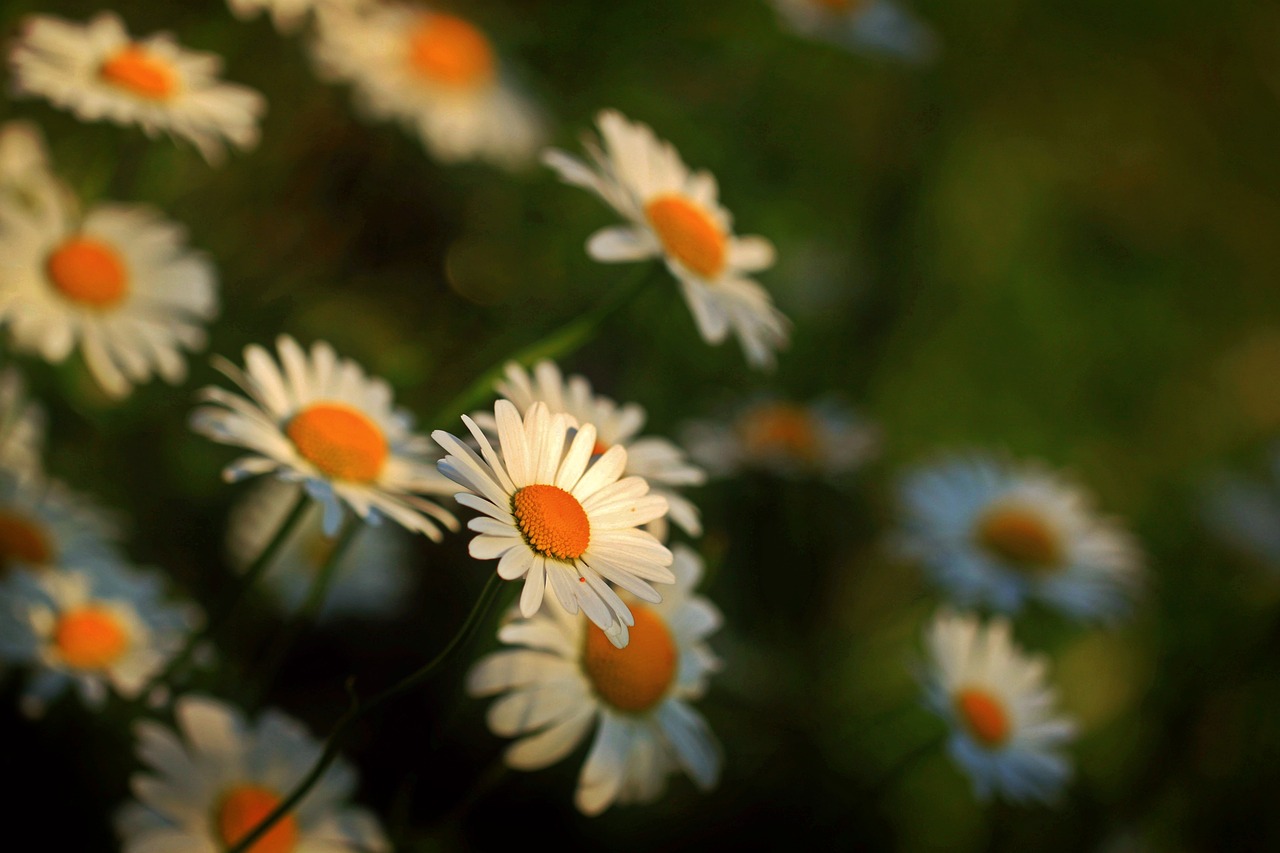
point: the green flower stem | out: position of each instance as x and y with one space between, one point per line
359 709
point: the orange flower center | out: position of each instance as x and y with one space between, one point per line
688 234
780 428
343 443
1020 537
984 716
634 678
87 271
21 541
242 808
451 52
552 521
598 448
840 5
140 73
90 638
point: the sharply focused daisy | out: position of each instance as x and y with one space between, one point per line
287 15
563 676
44 526
1005 731
435 73
993 533
662 464
372 576
675 214
22 423
317 419
210 784
98 71
557 518
863 26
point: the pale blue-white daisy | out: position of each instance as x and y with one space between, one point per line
863 26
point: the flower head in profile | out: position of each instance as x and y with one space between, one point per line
435 73
560 676
26 174
997 534
317 419
210 783
862 26
557 517
22 428
1005 730
674 214
98 71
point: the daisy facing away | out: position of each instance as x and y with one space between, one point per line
557 518
675 214
210 783
861 26
1005 731
561 675
997 534
98 71
317 419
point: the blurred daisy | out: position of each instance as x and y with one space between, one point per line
557 518
22 424
319 420
662 464
97 630
26 176
98 71
563 675
784 438
1245 512
119 283
997 534
863 26
372 577
434 73
674 214
287 15
1005 732
213 781
44 525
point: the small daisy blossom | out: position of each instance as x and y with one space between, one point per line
1005 732
674 214
98 71
557 518
210 783
318 420
287 15
372 576
44 526
863 26
662 464
1245 512
22 426
997 534
26 176
562 675
435 73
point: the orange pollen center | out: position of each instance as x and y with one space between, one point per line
341 442
89 638
984 716
634 678
552 521
21 541
242 808
450 51
89 272
780 427
598 448
688 234
1020 537
140 73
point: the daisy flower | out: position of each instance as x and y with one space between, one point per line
993 533
557 518
675 214
98 71
26 176
862 26
22 425
44 525
211 782
434 73
562 675
1245 512
318 420
372 577
662 464
1005 732
287 15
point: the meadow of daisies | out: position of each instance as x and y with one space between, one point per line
844 423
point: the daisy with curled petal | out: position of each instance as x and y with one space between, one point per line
210 783
317 419
435 73
675 214
22 424
662 464
997 534
556 518
287 15
862 26
119 283
1005 731
98 71
46 526
562 675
